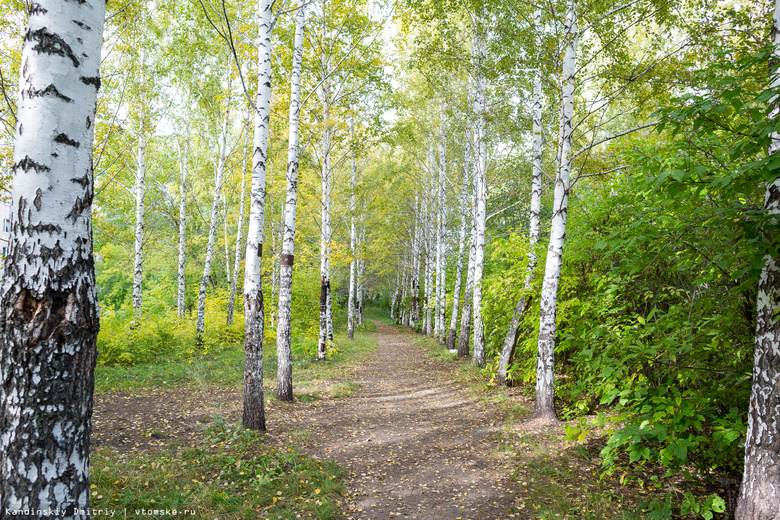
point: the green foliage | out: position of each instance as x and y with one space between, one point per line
127 340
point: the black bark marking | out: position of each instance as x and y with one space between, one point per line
288 260
21 128
42 228
82 25
89 122
64 139
260 251
37 9
28 164
79 207
83 181
50 91
47 253
50 43
94 81
38 197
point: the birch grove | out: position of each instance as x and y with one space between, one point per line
48 363
433 150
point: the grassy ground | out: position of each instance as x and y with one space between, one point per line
225 472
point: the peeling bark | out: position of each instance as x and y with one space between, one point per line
48 304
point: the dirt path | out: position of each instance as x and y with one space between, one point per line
417 444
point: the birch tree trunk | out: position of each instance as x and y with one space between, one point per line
48 303
181 299
284 385
253 417
240 226
480 107
508 349
441 264
544 407
140 193
352 241
464 220
415 288
218 177
468 297
759 494
361 268
326 202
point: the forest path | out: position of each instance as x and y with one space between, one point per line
415 441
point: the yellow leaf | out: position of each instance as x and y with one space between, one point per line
317 491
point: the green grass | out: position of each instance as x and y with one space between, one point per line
231 474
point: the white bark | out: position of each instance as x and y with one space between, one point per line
361 268
47 373
415 287
325 231
240 230
441 264
464 221
182 274
480 144
283 326
468 296
254 308
508 349
140 193
759 494
218 180
352 241
545 364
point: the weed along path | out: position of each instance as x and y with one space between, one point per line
416 443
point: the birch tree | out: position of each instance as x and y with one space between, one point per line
254 309
508 348
181 295
480 182
468 296
759 498
464 221
140 194
48 302
240 227
352 239
544 406
284 384
441 258
219 176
